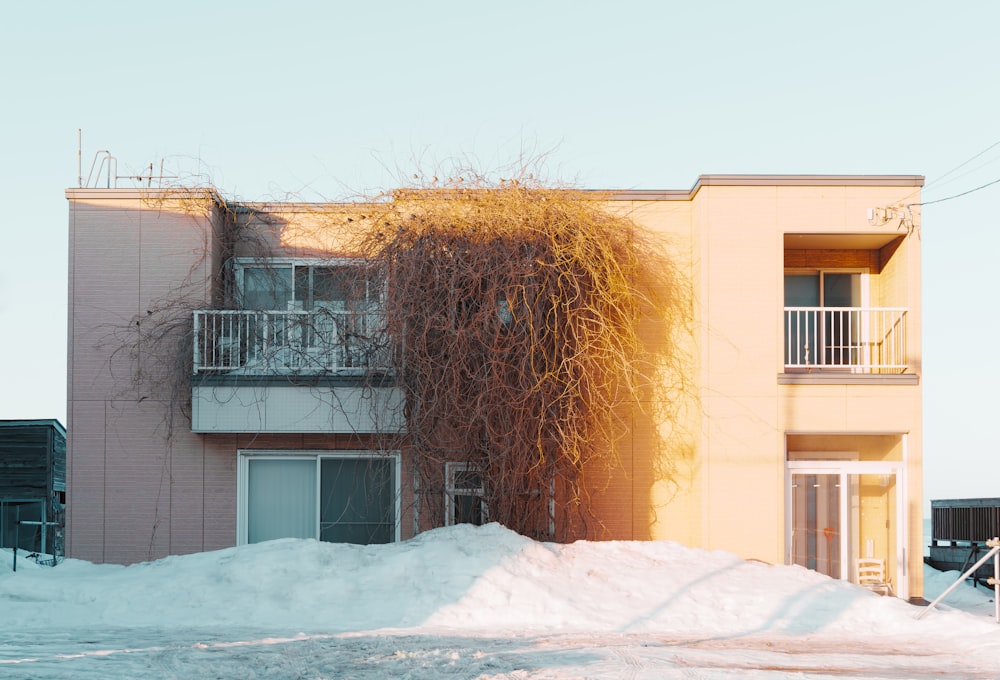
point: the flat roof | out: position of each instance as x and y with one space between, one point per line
50 422
612 194
767 180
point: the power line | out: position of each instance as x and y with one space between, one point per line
955 169
962 165
964 193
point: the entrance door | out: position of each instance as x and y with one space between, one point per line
840 511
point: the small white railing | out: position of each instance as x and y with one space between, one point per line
254 342
860 339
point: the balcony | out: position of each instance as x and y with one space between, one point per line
320 371
295 342
845 339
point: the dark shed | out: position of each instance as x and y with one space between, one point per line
32 484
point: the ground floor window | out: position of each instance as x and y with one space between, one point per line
464 497
341 497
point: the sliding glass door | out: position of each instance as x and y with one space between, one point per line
822 324
337 497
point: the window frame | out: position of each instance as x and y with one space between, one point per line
864 274
245 456
374 293
821 332
452 491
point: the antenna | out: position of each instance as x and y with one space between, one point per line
79 158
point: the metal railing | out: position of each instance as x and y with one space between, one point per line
252 342
859 339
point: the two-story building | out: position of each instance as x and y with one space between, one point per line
799 439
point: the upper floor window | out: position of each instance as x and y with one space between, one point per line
820 327
306 284
823 289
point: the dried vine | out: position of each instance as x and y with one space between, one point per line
517 314
521 320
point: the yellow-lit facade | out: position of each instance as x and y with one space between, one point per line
784 454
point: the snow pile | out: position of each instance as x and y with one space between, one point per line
464 580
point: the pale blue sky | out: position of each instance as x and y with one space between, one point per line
321 100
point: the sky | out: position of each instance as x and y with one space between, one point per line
329 100
490 605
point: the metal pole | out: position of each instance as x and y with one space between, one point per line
17 531
995 545
45 528
996 583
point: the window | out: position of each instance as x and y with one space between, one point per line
302 315
464 494
306 284
343 497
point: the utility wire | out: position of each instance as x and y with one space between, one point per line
964 193
958 167
962 165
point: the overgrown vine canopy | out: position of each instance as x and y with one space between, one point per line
518 316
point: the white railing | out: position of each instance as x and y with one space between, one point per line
860 339
254 342
994 546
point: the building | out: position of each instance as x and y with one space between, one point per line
32 485
799 440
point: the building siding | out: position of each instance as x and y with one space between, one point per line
718 484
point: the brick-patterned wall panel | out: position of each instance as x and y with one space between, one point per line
85 491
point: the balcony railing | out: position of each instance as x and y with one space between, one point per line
250 342
856 339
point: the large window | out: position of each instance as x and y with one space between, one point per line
342 497
307 284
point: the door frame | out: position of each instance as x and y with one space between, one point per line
821 340
846 468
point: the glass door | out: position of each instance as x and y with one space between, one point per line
802 294
841 326
816 527
840 512
823 323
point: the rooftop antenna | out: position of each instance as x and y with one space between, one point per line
79 158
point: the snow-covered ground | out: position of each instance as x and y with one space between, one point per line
476 602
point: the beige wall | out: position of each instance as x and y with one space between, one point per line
728 486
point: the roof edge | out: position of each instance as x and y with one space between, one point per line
612 194
52 422
766 180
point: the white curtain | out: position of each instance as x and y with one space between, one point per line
282 499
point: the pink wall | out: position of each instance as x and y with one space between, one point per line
135 494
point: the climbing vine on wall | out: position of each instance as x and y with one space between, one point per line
520 317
